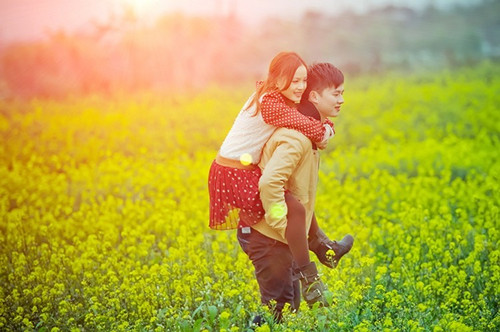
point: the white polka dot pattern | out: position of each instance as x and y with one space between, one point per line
230 206
276 112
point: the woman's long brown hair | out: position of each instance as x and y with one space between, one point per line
280 75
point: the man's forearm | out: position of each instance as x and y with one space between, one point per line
285 157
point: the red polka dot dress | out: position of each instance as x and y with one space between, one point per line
233 180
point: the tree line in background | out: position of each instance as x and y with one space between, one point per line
181 52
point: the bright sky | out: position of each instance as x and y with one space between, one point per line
29 19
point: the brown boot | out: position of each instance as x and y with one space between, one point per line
330 252
312 286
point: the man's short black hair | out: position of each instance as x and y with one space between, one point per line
321 76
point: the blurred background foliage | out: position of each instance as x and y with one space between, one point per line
179 52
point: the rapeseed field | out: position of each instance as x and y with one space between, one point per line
104 211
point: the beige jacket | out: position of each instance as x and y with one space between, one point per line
288 161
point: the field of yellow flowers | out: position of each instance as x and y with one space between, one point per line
104 211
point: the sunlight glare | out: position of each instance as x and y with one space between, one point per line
246 159
141 6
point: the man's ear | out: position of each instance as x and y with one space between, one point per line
313 96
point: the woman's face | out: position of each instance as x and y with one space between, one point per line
297 86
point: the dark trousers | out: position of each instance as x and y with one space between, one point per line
274 269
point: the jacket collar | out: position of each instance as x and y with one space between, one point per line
307 108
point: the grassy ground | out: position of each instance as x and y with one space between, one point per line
104 211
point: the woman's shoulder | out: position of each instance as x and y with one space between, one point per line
273 95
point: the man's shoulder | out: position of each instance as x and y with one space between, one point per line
290 132
291 136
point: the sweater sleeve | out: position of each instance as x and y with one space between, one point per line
331 124
287 154
277 113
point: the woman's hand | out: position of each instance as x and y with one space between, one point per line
322 145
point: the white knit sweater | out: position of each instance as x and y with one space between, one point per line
248 134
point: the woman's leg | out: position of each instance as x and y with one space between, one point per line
296 236
314 229
295 233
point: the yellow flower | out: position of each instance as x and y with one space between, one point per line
224 315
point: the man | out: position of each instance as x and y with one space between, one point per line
291 161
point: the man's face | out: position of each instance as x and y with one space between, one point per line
297 86
329 101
